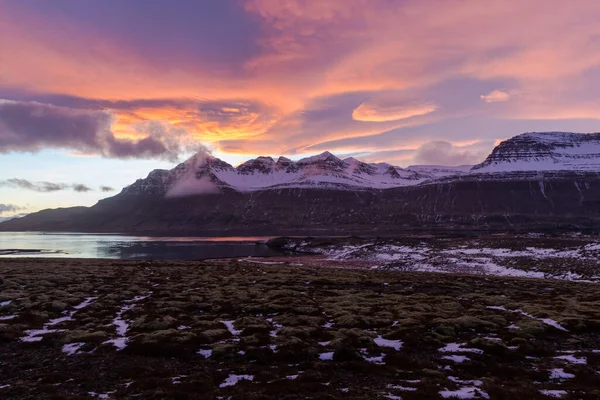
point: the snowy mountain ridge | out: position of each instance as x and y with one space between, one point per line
544 151
525 153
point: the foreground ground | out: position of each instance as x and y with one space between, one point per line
243 330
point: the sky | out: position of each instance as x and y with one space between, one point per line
95 94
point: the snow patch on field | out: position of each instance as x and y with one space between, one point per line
553 393
573 359
381 342
546 321
467 392
254 261
372 359
469 258
36 335
559 373
392 396
276 326
402 388
206 353
122 325
456 358
230 327
72 348
458 348
235 379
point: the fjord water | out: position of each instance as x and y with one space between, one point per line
81 245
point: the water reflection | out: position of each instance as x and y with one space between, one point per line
35 244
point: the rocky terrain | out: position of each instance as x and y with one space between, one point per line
89 329
534 181
564 257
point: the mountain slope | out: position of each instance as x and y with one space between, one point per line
203 173
548 151
326 195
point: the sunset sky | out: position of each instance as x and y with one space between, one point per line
96 93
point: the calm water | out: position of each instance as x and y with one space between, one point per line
19 244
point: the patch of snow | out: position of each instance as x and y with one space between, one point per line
473 382
456 358
374 359
458 348
546 321
5 303
392 396
206 353
559 373
176 380
250 260
72 348
7 317
573 359
402 388
234 379
36 335
230 328
553 393
100 395
467 392
85 303
381 342
277 326
326 356
137 298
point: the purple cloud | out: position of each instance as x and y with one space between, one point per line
160 31
444 153
8 208
43 186
81 188
32 126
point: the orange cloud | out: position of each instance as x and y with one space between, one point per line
376 111
313 50
495 96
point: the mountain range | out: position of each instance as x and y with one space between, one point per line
533 181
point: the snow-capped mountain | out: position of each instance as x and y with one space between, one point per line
529 152
545 151
202 172
535 181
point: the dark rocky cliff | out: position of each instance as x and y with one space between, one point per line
551 201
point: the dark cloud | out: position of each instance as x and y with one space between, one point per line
163 33
106 189
35 186
81 188
43 187
8 208
32 126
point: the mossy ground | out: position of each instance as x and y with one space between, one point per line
284 318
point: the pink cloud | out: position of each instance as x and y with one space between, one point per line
307 53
